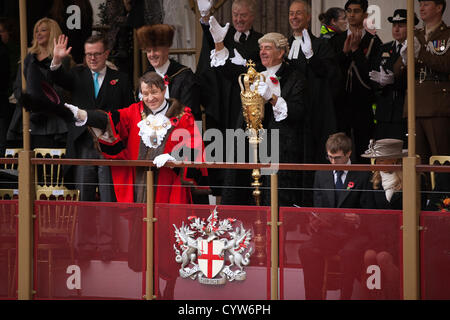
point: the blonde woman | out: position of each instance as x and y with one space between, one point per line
47 131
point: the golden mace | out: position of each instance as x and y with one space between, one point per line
253 110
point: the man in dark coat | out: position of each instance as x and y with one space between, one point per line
155 41
316 59
356 51
94 86
285 113
220 96
342 234
391 90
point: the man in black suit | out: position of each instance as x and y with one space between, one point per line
342 234
391 89
219 95
94 86
356 52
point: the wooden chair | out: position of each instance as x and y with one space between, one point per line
49 175
332 275
11 153
8 239
9 194
441 160
56 226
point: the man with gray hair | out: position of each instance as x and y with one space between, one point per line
285 113
219 96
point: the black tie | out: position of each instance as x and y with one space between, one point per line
339 184
399 47
242 38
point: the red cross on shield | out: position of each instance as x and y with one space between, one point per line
209 260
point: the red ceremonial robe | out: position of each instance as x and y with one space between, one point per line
126 144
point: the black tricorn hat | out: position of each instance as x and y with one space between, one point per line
401 15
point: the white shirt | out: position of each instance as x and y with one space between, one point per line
237 35
344 174
295 48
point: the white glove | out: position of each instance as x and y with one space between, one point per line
238 59
265 91
79 114
306 45
382 77
161 160
217 32
204 6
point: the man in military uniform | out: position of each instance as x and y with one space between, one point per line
432 58
391 90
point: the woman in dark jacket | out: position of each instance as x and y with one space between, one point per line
334 21
46 131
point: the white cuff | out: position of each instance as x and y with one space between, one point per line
308 55
219 58
54 67
280 110
80 123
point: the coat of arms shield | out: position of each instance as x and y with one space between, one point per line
210 259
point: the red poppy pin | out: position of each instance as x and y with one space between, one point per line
275 80
166 80
114 82
350 185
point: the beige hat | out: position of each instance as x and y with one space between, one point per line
385 149
280 41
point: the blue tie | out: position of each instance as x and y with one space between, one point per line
339 184
96 85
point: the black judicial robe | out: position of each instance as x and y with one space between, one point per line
220 96
321 73
294 143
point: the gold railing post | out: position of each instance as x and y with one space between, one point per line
411 199
274 235
411 212
26 192
150 220
25 226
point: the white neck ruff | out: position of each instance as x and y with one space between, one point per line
153 129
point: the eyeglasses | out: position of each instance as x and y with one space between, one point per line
337 158
94 55
355 11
